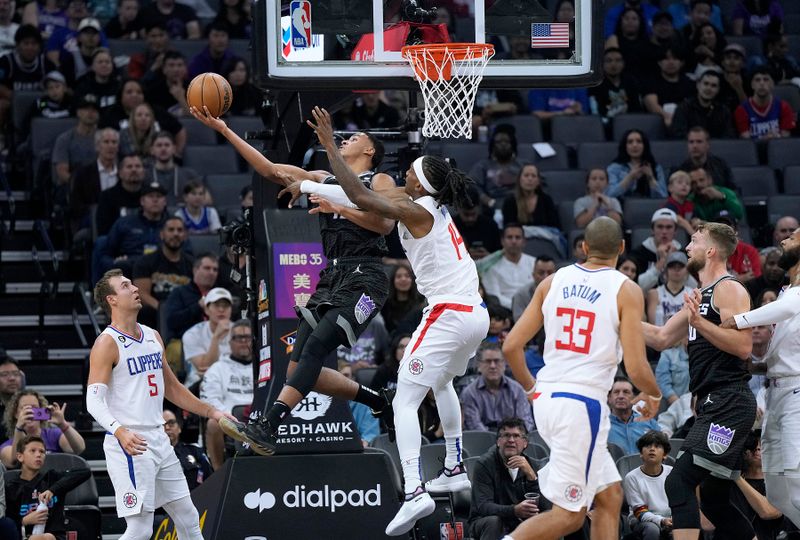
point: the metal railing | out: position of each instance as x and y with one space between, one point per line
49 286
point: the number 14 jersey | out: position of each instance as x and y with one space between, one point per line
581 322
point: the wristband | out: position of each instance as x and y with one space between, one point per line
17 428
659 397
64 430
531 391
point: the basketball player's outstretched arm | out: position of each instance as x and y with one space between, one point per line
528 325
733 298
788 305
664 337
276 172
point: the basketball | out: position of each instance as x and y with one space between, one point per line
211 90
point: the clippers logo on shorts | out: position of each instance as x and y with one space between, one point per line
719 438
573 493
364 307
129 500
313 406
415 366
301 24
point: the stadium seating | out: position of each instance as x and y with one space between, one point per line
365 375
573 130
637 212
651 124
565 185
596 155
476 443
783 152
526 154
211 159
791 180
528 128
197 134
758 181
736 152
782 205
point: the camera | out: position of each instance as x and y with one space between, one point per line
238 234
414 13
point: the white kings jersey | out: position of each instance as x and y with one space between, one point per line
581 322
444 270
135 394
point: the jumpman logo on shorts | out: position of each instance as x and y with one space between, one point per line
358 270
708 400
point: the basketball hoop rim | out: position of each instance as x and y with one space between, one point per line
458 50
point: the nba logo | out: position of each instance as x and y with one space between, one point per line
301 23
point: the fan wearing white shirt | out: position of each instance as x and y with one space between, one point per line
503 273
205 342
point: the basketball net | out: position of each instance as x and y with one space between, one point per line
448 76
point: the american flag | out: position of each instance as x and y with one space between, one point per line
549 35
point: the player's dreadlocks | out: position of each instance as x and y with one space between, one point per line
452 184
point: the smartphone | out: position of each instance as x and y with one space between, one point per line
41 413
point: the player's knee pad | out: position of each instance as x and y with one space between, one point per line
138 527
185 517
304 330
680 488
323 340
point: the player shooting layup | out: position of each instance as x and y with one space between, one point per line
128 381
591 313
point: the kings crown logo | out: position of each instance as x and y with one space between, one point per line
364 307
719 438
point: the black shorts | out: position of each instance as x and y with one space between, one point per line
725 417
357 287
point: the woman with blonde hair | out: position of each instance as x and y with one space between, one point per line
142 128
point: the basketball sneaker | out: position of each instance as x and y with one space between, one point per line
259 434
449 480
386 414
416 506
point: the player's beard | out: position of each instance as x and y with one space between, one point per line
696 264
789 258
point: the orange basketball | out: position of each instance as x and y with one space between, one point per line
211 90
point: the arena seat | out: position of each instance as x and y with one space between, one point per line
751 44
365 375
526 154
566 210
637 211
226 188
477 442
565 185
758 181
527 128
669 154
197 134
783 152
791 180
211 159
736 152
574 130
596 155
783 205
465 154
651 124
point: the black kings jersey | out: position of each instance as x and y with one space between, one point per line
343 238
710 367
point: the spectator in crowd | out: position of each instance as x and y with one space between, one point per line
704 110
194 462
679 187
756 17
157 273
186 304
368 426
698 143
578 254
529 204
765 297
675 421
134 235
216 54
751 497
547 103
8 529
146 65
368 111
207 341
630 37
180 20
543 267
669 86
65 39
503 271
127 24
57 433
596 203
501 479
167 89
496 175
493 396
138 136
665 33
626 425
772 275
93 178
11 382
493 105
672 372
386 374
651 256
165 171
479 231
247 97
784 228
782 66
615 12
699 15
758 364
680 12
100 80
122 198
228 383
75 56
627 266
651 515
735 85
764 116
619 91
45 16
236 15
198 217
56 102
403 297
500 320
634 170
744 262
712 201
7 26
35 485
667 299
76 147
370 348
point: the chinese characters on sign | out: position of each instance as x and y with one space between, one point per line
297 267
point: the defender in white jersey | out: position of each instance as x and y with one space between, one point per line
453 325
128 380
780 438
591 313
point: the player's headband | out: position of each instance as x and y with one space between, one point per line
417 166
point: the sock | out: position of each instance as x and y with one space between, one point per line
370 398
453 456
412 474
277 413
449 410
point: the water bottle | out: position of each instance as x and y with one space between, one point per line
483 134
39 527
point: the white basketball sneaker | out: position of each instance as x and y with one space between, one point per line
449 480
417 505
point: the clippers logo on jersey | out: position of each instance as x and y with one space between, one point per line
719 438
141 364
129 500
301 23
364 307
415 366
573 493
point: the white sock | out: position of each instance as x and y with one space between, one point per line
412 475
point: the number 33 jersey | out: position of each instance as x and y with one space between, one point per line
581 322
136 392
443 268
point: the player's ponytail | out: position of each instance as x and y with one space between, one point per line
452 184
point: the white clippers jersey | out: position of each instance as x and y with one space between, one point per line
581 322
443 268
783 354
136 392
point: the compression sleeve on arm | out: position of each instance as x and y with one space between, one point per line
333 193
96 406
784 307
